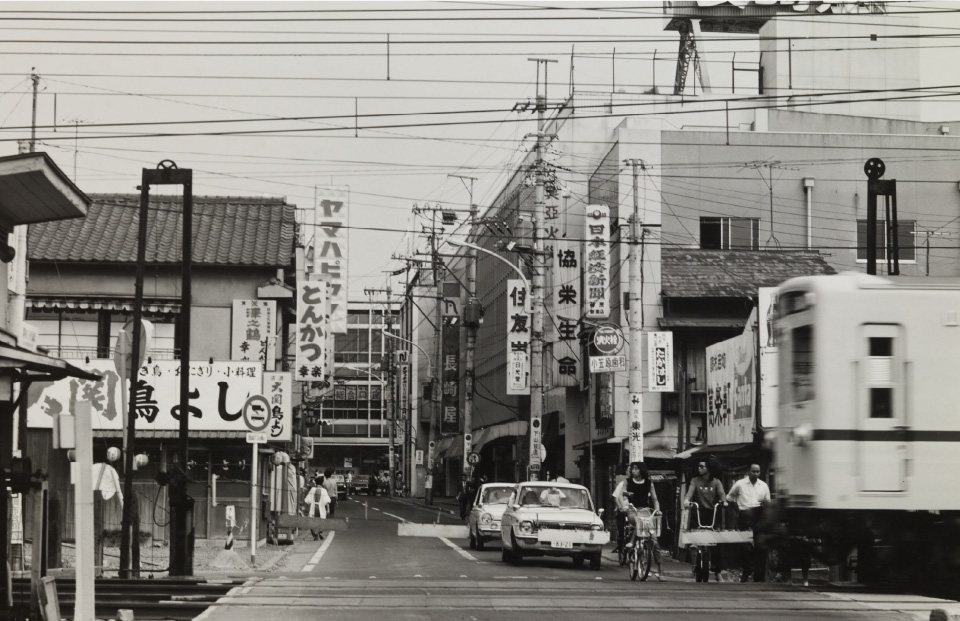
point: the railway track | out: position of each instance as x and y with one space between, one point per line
177 599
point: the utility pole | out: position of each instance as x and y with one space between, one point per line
33 125
536 284
471 321
389 368
635 298
435 380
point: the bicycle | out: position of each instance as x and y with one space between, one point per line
702 551
640 556
625 534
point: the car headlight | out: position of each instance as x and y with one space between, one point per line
526 527
486 518
596 527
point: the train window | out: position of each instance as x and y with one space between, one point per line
880 346
881 403
802 360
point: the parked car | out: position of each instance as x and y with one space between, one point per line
547 518
483 522
341 486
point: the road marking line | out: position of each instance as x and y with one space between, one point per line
394 516
511 577
374 508
312 564
459 550
417 576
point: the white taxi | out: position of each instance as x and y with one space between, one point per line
483 522
548 518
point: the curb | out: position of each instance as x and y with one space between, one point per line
415 503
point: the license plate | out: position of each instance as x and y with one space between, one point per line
562 544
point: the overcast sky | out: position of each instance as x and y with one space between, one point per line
245 70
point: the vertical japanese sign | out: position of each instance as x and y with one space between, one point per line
254 332
518 338
566 305
330 250
731 380
311 331
278 389
769 380
597 273
403 399
660 361
450 385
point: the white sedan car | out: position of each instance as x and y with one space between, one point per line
483 521
546 518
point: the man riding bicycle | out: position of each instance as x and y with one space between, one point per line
638 494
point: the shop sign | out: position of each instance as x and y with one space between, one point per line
254 332
597 272
518 338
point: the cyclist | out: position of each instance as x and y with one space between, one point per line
623 507
705 492
640 494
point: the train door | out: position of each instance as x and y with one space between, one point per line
882 417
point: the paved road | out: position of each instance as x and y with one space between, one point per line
369 572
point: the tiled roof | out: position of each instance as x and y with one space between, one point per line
734 273
227 230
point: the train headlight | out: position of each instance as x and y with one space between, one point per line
802 434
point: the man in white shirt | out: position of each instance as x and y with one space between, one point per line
750 494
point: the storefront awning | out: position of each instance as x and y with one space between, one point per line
60 302
488 434
707 450
32 366
452 446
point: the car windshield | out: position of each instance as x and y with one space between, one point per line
496 495
561 497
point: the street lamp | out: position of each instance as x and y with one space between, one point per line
425 355
495 256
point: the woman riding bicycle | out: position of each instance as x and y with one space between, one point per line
640 494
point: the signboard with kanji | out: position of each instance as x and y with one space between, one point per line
597 261
608 364
278 389
450 382
331 233
518 338
218 392
254 332
567 262
731 382
403 399
311 336
660 361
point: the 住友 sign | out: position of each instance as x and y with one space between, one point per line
254 332
597 273
518 338
218 392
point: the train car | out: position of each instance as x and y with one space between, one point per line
868 446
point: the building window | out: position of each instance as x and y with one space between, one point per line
730 233
905 240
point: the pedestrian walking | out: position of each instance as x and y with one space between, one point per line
463 496
751 494
330 484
